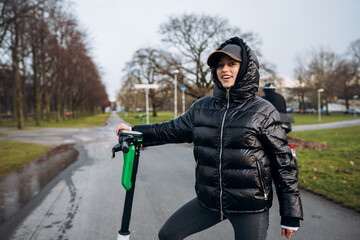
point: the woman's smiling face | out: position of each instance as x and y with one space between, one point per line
227 70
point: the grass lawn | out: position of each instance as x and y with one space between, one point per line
133 118
300 119
89 121
15 155
333 172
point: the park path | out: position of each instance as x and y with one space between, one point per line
85 201
321 126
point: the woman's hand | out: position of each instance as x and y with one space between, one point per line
287 232
122 126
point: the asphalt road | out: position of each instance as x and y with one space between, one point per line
85 201
327 125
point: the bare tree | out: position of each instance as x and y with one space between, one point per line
153 66
343 82
193 37
321 67
38 33
325 69
14 17
303 76
354 52
128 95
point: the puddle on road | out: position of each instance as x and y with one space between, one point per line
20 187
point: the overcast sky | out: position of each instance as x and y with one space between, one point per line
117 28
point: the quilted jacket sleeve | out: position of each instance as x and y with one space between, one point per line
284 167
177 130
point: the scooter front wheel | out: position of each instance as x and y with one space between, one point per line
121 237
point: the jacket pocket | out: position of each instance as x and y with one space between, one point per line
261 178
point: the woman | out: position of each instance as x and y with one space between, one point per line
239 148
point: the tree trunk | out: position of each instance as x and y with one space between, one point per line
58 109
18 102
37 93
153 103
14 117
48 108
154 111
303 107
62 111
58 104
0 107
24 91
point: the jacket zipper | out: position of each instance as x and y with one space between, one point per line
221 150
261 179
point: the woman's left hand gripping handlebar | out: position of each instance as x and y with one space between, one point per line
122 126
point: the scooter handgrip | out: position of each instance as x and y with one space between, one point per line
125 147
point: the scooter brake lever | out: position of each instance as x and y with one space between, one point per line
115 149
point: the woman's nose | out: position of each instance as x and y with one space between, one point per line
226 67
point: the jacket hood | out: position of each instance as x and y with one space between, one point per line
247 81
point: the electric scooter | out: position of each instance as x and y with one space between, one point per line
129 144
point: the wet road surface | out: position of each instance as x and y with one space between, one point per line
85 201
19 187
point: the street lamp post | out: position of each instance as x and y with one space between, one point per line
355 97
175 91
319 103
182 89
146 87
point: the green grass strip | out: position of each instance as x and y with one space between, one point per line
300 119
15 155
333 172
134 119
89 121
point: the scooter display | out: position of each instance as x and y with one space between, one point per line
129 144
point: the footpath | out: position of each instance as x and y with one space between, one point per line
321 126
84 201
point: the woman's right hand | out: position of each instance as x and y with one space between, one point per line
122 126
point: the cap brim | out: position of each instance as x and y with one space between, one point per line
214 57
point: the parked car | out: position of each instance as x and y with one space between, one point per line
352 111
310 110
289 108
298 110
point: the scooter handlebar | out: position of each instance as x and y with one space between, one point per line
126 138
125 147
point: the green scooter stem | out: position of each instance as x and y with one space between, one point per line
128 168
131 161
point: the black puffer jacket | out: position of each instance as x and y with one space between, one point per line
239 147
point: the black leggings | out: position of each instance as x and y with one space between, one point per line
192 218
